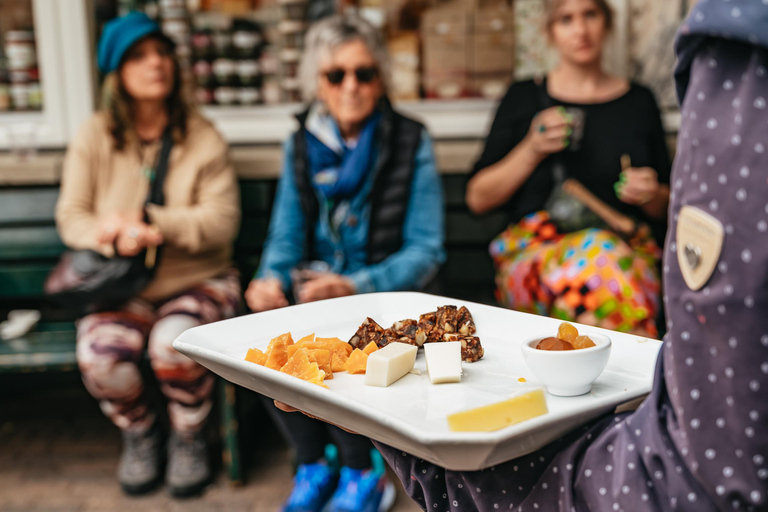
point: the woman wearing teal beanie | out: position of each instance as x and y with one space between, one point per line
108 170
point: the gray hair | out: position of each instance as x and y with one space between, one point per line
328 34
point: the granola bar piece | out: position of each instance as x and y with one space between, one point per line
466 324
447 319
408 331
427 323
368 331
471 349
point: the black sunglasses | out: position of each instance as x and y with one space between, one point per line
363 75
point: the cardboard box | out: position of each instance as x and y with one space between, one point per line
446 85
492 60
492 86
446 39
404 52
473 5
493 42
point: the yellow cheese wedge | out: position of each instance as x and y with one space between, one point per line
501 414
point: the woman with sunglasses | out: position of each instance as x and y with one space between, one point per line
360 193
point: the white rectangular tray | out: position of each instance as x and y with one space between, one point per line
411 414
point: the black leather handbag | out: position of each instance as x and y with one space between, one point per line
87 281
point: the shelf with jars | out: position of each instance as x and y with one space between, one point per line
450 60
243 57
45 86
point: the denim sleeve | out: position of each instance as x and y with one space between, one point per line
284 246
422 252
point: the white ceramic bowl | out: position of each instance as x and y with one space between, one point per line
568 372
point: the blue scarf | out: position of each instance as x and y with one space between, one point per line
338 172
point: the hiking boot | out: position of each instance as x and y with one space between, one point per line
189 469
138 471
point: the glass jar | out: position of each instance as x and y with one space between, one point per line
20 76
246 39
5 97
167 5
222 43
289 59
225 95
292 33
35 95
176 26
204 95
293 9
203 73
270 64
20 96
248 96
20 49
270 91
225 70
291 90
202 44
152 9
249 72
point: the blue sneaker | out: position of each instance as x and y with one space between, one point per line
312 486
314 483
367 490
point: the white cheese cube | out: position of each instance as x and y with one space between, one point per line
443 361
388 364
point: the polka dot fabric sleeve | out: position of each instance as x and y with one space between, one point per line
698 442
716 358
502 487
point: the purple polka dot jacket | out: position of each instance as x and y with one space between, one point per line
699 442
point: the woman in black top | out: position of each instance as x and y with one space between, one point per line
590 125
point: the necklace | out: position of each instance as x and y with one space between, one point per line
147 168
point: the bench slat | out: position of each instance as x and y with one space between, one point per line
30 243
23 280
27 204
49 346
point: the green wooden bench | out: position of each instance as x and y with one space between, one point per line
30 246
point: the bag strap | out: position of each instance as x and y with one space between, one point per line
156 194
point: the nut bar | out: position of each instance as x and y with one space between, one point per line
368 332
471 349
447 319
408 331
466 324
427 323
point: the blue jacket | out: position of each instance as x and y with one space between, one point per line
344 249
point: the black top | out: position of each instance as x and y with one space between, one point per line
629 124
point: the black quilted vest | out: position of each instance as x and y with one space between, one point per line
400 137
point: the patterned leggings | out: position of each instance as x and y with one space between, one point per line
111 344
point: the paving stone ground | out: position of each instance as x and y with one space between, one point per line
59 454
